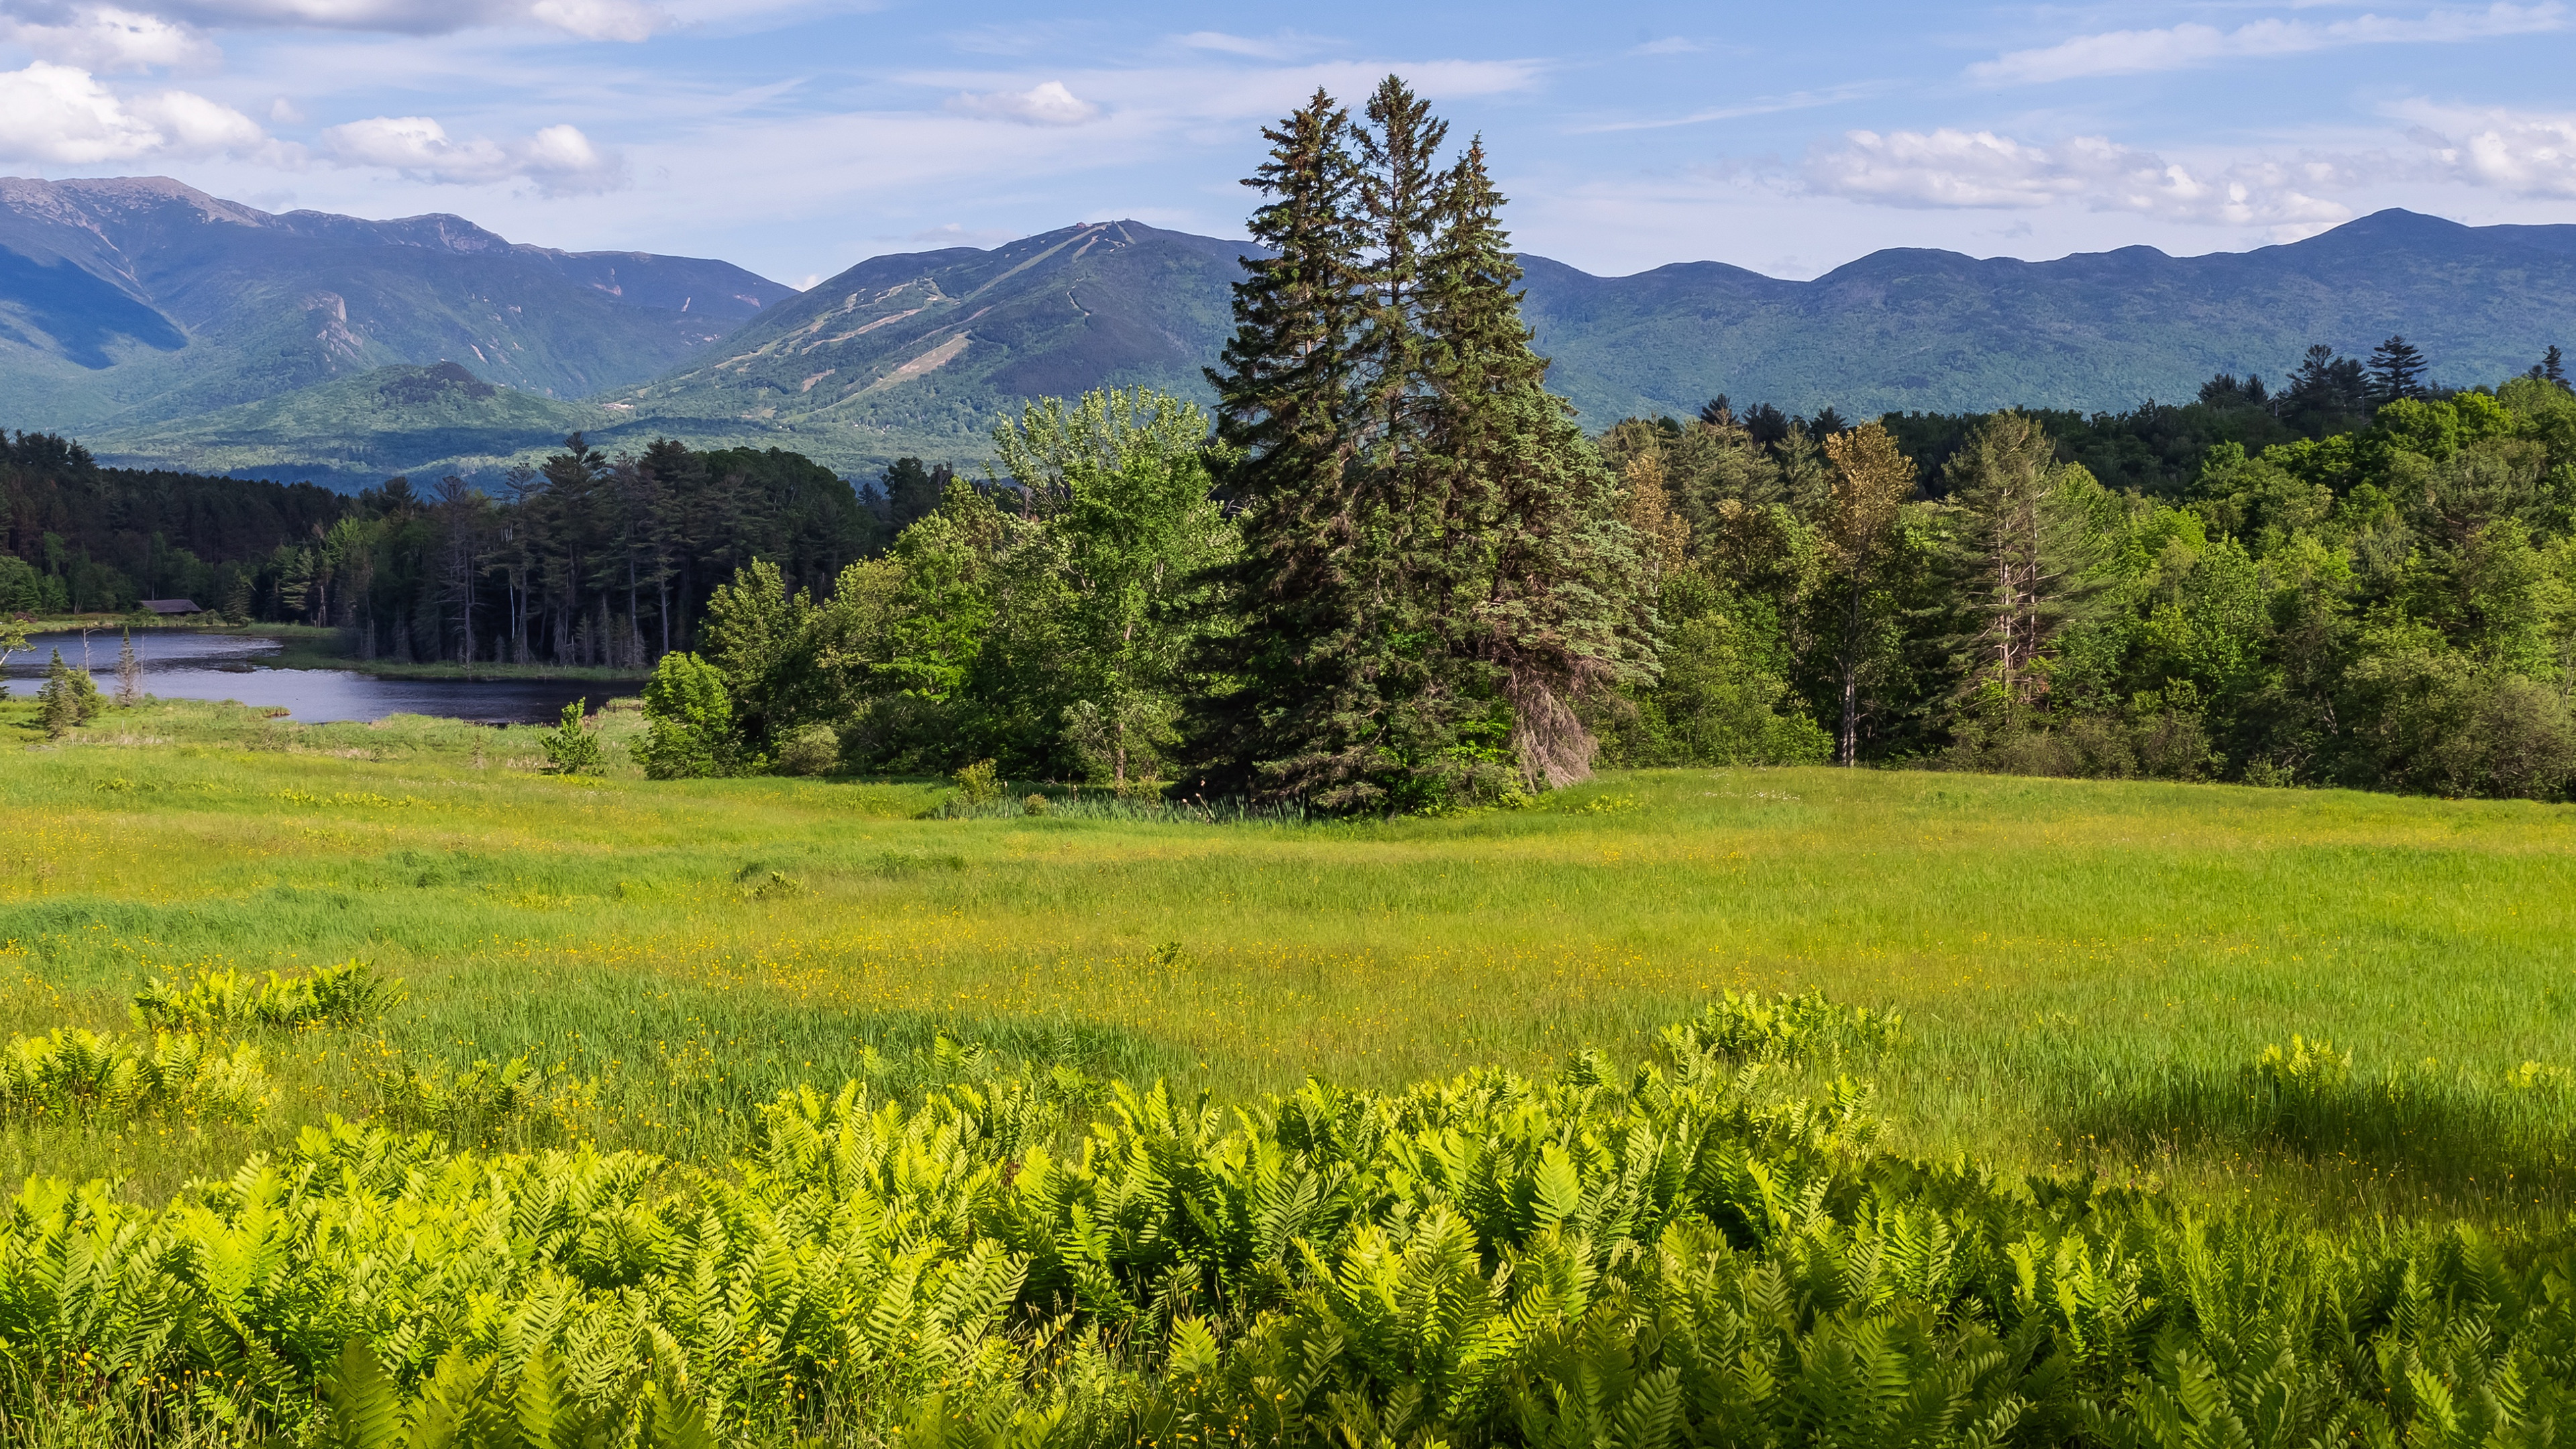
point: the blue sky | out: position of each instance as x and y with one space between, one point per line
797 138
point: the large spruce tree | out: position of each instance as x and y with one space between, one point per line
1433 567
1288 709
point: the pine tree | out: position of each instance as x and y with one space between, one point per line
129 674
2551 367
2019 557
1401 477
1433 567
67 699
1288 712
2396 371
1562 607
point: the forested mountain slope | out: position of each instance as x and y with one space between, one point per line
135 312
134 301
922 353
931 347
1912 329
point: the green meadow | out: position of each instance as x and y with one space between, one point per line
2089 972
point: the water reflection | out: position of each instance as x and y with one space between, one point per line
189 665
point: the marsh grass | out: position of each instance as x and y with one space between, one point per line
2086 969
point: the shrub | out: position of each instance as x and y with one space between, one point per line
813 750
345 994
571 749
979 783
688 729
1651 1257
483 1102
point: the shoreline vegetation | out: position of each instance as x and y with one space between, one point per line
313 646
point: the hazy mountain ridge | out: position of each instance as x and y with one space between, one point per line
921 353
1916 329
356 431
134 301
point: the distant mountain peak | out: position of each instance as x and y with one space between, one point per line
125 195
414 386
130 301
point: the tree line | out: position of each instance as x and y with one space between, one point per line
585 561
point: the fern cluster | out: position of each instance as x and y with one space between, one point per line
1660 1255
68 1074
1786 1029
483 1100
344 994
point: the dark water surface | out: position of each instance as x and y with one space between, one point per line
180 665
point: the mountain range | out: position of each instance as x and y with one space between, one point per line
167 327
140 301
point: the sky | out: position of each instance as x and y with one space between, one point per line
797 137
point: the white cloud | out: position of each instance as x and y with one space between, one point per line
1046 104
956 234
600 19
61 114
1979 169
589 19
196 126
110 38
559 160
1170 100
2528 155
1669 45
2131 52
1286 45
1758 106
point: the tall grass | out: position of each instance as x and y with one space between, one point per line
2085 969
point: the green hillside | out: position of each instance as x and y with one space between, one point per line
922 354
354 432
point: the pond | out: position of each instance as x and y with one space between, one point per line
187 665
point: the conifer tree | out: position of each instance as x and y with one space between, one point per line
2019 556
2396 371
67 699
1289 711
1563 606
129 674
1433 566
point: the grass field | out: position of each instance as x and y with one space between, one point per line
2088 971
